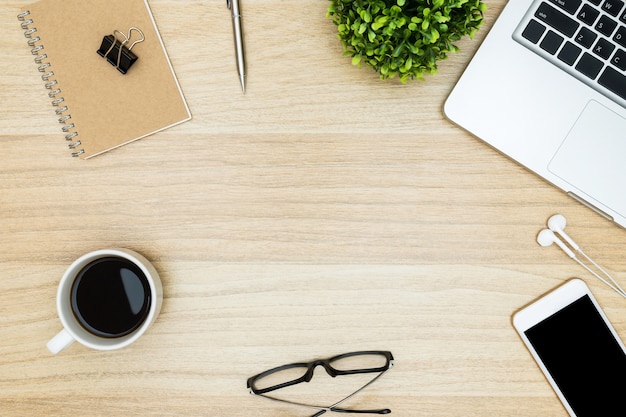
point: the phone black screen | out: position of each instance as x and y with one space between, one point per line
584 359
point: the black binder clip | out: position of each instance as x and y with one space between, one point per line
116 51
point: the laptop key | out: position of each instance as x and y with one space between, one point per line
569 54
619 59
588 14
570 6
614 81
589 66
551 42
620 36
603 48
586 37
612 7
534 31
559 21
606 25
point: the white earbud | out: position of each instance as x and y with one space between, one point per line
547 237
557 223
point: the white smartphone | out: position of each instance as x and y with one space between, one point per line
577 349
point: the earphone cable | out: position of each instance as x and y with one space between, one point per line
612 284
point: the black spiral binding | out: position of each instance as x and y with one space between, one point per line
51 84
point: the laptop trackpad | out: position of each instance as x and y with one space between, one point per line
593 156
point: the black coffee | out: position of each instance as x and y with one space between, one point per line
110 297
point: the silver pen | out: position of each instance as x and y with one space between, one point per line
233 5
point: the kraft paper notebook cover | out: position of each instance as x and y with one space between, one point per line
100 108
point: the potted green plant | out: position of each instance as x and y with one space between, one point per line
403 38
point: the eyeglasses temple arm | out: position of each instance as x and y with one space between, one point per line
362 388
341 410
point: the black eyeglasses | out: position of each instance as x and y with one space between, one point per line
347 364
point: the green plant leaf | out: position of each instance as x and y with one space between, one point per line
379 22
403 38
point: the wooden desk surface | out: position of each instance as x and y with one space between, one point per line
323 212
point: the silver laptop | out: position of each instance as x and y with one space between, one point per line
548 89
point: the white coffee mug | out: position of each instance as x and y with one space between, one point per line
73 330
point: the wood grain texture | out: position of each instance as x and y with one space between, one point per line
325 211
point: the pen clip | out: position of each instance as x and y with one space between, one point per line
229 4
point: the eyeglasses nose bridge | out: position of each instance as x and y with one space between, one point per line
329 370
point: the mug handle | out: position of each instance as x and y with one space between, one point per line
61 341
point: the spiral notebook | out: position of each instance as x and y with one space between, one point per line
98 106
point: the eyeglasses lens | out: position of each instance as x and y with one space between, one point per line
359 362
280 376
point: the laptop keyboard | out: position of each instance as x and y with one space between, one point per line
586 38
